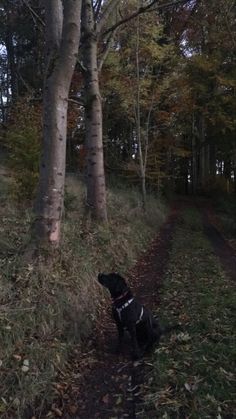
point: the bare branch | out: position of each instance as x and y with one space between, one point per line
144 9
106 50
106 13
32 11
82 68
76 101
97 8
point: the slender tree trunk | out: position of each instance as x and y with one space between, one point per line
11 56
138 123
194 159
96 188
212 160
227 168
234 180
234 170
202 152
62 41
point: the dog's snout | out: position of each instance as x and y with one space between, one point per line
100 276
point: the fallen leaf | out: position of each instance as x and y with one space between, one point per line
119 400
17 357
57 411
187 386
3 408
105 399
72 409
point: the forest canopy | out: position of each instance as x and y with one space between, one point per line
151 96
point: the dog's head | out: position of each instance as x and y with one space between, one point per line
114 283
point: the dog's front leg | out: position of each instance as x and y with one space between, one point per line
120 330
136 350
152 332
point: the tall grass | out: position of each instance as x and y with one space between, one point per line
225 207
45 311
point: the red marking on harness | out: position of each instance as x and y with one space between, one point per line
121 296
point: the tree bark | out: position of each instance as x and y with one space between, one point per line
142 159
202 152
194 159
62 42
9 42
96 189
212 161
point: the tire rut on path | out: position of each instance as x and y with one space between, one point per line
112 385
222 249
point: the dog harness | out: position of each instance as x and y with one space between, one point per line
120 309
140 317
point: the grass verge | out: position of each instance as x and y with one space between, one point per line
193 371
46 311
225 209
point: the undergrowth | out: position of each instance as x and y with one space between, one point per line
193 371
46 310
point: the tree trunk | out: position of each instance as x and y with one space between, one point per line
96 189
194 159
62 42
227 168
138 122
9 41
202 152
212 160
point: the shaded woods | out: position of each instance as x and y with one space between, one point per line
157 106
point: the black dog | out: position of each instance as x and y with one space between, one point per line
130 315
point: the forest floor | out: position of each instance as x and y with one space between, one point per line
98 383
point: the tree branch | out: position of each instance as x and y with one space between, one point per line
106 13
106 49
82 68
76 101
141 10
32 11
97 8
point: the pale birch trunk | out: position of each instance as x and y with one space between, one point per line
62 42
94 18
96 188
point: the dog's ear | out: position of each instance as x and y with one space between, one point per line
120 284
116 275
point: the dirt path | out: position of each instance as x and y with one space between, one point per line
110 385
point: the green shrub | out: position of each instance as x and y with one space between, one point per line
23 139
